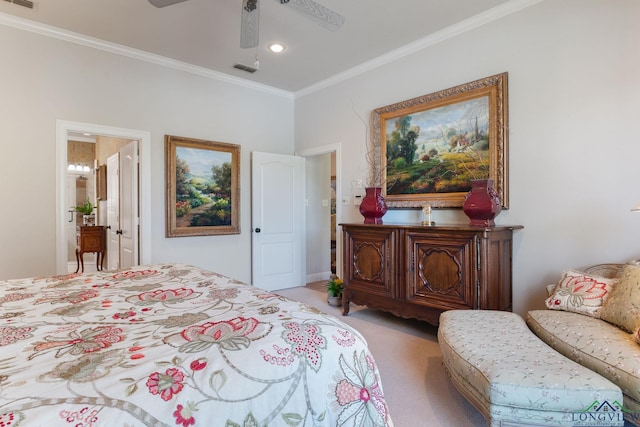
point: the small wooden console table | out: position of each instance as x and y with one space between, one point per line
90 239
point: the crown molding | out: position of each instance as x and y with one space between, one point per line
433 39
118 49
461 27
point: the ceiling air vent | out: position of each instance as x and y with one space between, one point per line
24 3
245 68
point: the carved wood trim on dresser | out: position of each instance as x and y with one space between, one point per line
417 271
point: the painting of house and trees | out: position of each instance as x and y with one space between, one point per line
432 147
439 150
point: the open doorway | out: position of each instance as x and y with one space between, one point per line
323 212
81 185
66 131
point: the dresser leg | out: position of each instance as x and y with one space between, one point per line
77 261
345 307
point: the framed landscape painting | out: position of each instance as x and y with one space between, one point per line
431 147
203 187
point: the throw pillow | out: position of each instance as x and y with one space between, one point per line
580 292
551 289
622 308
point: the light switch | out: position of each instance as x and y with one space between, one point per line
325 202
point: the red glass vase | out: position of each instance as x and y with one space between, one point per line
482 203
373 206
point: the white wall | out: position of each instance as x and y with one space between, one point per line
43 79
573 111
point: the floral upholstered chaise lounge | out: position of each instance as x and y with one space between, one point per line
593 318
592 358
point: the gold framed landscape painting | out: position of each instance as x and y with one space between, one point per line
432 147
203 187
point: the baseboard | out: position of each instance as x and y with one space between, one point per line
317 277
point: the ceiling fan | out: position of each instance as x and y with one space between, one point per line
249 26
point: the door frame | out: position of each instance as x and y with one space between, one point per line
63 127
327 149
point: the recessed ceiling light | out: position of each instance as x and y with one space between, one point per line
276 47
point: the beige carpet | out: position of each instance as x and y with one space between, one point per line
415 384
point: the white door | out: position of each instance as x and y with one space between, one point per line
129 205
277 218
113 212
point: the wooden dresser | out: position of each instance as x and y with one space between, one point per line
90 239
417 271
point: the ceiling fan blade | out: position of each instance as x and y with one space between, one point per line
317 13
163 3
250 24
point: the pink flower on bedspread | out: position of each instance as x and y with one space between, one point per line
11 334
167 384
233 334
282 357
358 393
124 315
163 295
87 341
85 417
59 278
184 415
305 341
14 297
346 338
198 364
10 419
268 296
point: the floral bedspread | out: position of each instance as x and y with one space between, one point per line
175 345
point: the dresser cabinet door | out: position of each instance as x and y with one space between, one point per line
442 270
369 261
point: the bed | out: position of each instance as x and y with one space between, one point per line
171 345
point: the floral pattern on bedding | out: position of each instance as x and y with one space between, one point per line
172 345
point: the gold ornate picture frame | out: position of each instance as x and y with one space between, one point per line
432 146
203 187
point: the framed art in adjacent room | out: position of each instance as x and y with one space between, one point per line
203 187
432 146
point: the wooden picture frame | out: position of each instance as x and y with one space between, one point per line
451 136
203 187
